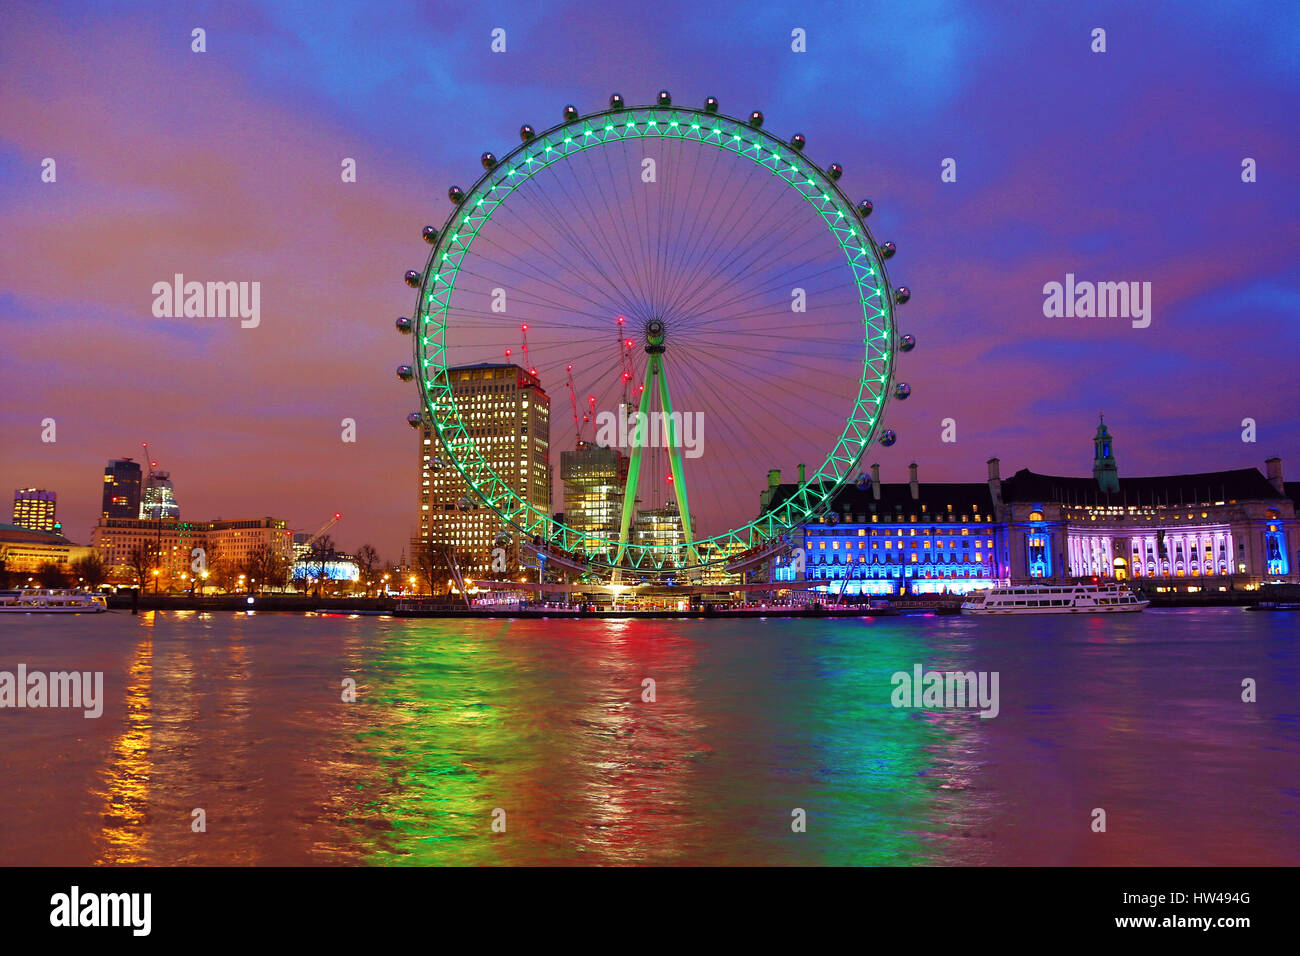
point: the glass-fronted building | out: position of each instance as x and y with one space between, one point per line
121 489
594 478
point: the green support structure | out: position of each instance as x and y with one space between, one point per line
633 474
675 457
656 379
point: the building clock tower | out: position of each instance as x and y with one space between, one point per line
1103 459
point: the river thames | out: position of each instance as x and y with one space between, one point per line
542 727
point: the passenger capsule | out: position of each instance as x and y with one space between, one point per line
664 98
404 325
464 504
798 141
430 234
756 119
456 194
570 113
711 105
887 250
836 171
616 101
902 294
902 390
415 419
405 372
864 482
907 343
488 160
412 278
526 133
864 208
888 437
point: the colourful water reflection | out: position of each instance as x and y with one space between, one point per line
244 716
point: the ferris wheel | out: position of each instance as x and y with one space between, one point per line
686 289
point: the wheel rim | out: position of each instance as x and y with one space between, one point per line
534 157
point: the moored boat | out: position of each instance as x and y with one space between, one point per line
1055 599
52 601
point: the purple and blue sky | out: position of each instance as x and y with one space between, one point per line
1123 165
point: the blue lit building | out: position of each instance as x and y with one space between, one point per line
894 539
1208 531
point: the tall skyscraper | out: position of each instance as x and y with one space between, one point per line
508 415
122 489
159 499
34 509
594 477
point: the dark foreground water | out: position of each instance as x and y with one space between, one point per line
1140 715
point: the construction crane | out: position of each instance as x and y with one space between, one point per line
149 462
310 542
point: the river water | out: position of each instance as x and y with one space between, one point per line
542 727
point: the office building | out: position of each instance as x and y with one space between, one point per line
34 509
159 500
594 478
122 489
507 414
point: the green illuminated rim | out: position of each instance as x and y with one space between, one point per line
864 261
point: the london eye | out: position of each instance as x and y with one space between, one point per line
690 291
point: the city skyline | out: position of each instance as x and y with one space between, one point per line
574 435
1116 475
198 181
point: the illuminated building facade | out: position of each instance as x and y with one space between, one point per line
1212 531
507 414
594 478
331 566
34 509
236 540
172 542
159 499
663 527
24 550
122 488
715 555
896 538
